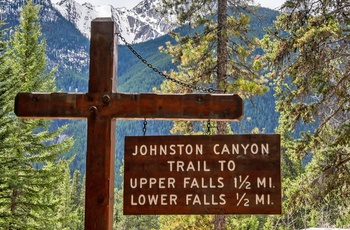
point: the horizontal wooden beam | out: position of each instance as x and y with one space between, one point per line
130 106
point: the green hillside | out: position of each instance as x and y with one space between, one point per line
136 77
68 49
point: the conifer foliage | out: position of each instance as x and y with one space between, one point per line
29 172
214 49
308 54
207 44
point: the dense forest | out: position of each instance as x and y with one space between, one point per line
291 67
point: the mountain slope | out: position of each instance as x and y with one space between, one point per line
142 23
68 50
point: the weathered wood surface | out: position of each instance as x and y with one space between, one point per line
101 106
100 155
218 174
101 127
130 106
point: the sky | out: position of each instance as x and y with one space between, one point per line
272 4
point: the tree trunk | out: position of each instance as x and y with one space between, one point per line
222 44
13 207
220 220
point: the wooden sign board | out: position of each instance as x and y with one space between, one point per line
224 174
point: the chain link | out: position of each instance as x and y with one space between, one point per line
144 130
208 126
149 65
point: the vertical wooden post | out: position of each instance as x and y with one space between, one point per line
101 130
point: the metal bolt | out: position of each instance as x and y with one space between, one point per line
35 99
100 199
106 99
93 110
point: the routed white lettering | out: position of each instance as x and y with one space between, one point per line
163 199
157 199
254 148
230 165
171 165
172 150
162 182
225 150
171 182
180 166
194 183
265 149
133 182
203 182
186 181
135 151
188 198
162 150
245 148
143 181
222 199
180 148
193 166
189 149
153 199
205 199
215 150
152 181
235 149
153 149
132 200
172 199
199 149
221 183
143 150
190 167
196 200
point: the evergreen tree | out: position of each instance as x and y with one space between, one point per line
130 222
307 51
68 193
4 120
218 52
77 201
205 60
197 52
28 149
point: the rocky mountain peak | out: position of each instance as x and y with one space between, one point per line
142 23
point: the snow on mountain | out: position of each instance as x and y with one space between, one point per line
142 23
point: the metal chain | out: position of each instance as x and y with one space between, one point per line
149 65
144 130
208 126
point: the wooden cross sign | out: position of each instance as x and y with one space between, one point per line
102 105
